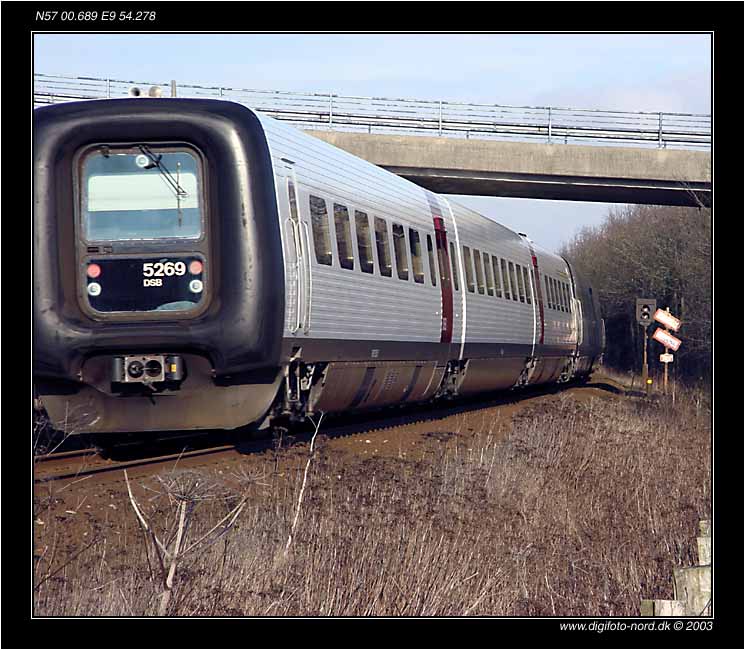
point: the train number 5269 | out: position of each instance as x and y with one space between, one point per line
159 269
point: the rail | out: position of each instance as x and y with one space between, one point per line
377 115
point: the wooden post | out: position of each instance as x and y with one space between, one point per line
645 367
667 351
691 585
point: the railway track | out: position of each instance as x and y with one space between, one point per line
80 463
65 455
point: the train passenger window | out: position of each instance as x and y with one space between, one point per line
513 281
415 246
469 268
431 255
520 283
489 277
554 297
399 248
567 302
454 263
479 270
364 243
293 199
526 277
383 247
560 295
505 280
320 221
343 236
544 296
497 281
549 300
569 298
555 294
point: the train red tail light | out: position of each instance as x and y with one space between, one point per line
195 267
94 270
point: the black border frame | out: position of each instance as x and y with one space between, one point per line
724 20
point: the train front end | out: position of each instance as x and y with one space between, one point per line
158 299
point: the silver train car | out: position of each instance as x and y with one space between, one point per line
198 265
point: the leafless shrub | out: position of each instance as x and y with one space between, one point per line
185 491
646 251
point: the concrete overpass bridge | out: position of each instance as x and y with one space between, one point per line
538 171
485 150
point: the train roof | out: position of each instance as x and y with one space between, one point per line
276 130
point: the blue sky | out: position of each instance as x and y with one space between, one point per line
636 72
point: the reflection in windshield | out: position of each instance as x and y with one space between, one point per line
130 195
156 160
174 306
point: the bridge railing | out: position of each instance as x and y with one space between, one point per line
417 117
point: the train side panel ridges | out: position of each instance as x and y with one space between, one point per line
560 326
348 303
491 319
403 310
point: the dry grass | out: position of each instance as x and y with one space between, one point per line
582 508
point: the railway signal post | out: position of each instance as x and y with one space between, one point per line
645 307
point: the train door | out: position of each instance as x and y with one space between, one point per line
446 335
534 300
577 315
538 313
298 247
450 320
578 322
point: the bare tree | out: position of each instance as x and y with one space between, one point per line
185 491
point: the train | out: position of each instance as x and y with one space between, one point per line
198 265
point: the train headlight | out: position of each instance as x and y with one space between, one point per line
135 369
94 289
153 368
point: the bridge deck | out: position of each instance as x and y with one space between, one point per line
542 171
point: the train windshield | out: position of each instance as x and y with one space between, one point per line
141 193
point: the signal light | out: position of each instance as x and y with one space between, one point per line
94 270
645 308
